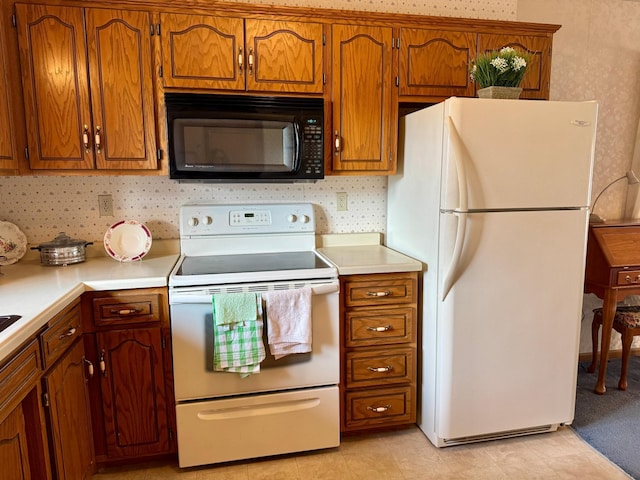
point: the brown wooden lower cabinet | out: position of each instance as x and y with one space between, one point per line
132 391
133 396
379 332
69 416
14 450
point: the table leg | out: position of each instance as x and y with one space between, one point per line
608 312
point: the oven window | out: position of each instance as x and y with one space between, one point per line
235 145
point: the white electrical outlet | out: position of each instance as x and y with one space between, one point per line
341 201
105 205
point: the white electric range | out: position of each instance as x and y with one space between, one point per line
293 403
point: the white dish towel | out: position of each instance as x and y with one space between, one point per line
288 315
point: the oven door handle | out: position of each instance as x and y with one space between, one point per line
199 297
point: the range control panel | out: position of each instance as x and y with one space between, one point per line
215 219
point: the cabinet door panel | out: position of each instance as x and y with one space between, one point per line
8 157
287 56
55 85
200 51
14 456
535 83
436 62
70 417
119 52
364 116
134 399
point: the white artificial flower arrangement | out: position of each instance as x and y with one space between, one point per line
503 68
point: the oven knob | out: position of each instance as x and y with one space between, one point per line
206 220
292 218
304 219
193 221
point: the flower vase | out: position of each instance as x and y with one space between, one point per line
500 92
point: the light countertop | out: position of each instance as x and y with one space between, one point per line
38 292
362 253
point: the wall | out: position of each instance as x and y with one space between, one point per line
596 56
43 206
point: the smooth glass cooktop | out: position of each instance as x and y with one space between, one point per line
251 262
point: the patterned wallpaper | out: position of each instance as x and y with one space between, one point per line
44 206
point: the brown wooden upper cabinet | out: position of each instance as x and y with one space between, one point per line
535 84
435 63
88 87
8 157
365 111
227 53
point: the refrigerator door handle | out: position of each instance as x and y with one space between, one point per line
457 150
461 232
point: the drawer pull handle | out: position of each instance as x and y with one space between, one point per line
103 364
384 328
632 280
69 333
126 311
385 369
382 409
384 293
89 368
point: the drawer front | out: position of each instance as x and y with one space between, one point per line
628 277
380 291
18 376
126 309
377 408
380 327
380 367
61 333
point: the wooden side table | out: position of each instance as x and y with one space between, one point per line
612 273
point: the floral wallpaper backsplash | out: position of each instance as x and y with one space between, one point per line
44 206
491 9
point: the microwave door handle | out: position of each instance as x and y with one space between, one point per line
296 128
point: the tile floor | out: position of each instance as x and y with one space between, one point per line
407 455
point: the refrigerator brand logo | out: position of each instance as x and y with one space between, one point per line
580 123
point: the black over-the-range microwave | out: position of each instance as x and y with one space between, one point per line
234 138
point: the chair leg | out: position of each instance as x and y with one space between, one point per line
627 339
595 328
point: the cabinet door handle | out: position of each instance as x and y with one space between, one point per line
384 369
240 59
89 367
632 280
126 311
69 333
382 409
103 365
384 293
251 61
98 140
336 141
85 138
383 328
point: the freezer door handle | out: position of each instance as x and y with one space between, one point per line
452 273
458 149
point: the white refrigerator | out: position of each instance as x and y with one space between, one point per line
492 196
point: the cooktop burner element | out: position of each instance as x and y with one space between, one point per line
251 262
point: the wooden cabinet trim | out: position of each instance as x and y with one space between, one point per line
19 375
61 333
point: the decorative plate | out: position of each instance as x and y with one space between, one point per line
13 243
127 240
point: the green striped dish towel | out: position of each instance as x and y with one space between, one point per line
238 346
